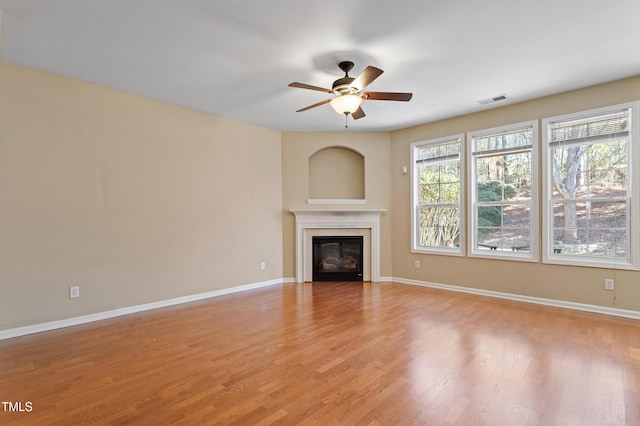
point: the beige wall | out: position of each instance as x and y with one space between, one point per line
131 199
138 201
583 285
297 147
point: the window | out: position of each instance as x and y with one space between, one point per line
589 213
503 192
437 195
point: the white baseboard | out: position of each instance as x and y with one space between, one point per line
53 325
528 299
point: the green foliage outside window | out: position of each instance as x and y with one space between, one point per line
439 215
493 190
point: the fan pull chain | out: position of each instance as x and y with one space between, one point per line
346 123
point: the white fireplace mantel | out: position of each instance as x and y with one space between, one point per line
309 221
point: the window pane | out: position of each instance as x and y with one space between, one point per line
516 216
588 244
572 182
450 216
489 238
487 169
518 139
427 152
581 215
565 219
450 193
439 226
604 242
428 226
604 215
607 155
522 185
559 233
519 240
608 215
608 183
505 140
429 194
489 216
590 229
451 236
429 173
570 132
617 243
494 190
483 144
453 149
567 178
451 171
578 244
516 164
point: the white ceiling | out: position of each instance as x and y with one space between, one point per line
236 58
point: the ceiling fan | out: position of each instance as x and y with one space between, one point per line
349 92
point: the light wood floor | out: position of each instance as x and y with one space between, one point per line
331 353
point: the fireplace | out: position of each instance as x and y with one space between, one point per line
337 222
337 258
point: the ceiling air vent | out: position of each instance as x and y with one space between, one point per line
493 99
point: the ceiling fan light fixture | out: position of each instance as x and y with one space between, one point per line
348 92
346 104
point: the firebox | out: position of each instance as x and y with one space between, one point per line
337 258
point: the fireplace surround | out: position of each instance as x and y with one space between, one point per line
338 222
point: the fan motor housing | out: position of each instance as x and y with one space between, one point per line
343 85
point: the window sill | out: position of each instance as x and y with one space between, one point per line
589 263
438 251
517 256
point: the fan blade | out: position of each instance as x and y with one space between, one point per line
326 101
359 113
310 87
366 77
387 96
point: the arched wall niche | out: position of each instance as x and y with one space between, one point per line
336 173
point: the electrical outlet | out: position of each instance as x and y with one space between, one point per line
74 292
417 264
609 284
263 266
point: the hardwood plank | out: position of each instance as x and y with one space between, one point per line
331 353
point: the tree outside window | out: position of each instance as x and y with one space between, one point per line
437 183
503 192
588 201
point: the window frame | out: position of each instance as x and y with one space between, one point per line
415 188
632 261
515 255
